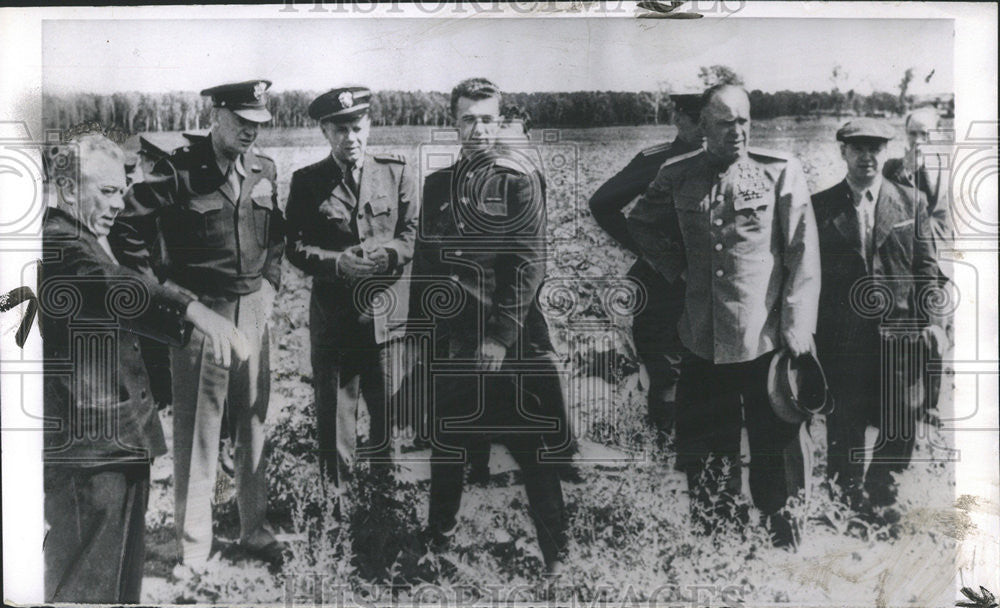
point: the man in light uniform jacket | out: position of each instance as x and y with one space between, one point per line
739 223
351 225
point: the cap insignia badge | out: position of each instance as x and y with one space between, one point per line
346 99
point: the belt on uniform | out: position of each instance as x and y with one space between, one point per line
215 284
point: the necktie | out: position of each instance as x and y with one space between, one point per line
351 179
865 225
233 177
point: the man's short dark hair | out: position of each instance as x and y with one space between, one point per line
512 112
475 89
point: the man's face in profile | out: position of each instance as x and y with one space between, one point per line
100 198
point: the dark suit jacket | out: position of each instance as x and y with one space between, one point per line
93 312
935 194
856 300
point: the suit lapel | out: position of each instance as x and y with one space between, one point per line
887 213
845 218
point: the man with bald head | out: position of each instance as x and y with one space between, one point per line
914 171
738 223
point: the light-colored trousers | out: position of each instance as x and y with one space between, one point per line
202 390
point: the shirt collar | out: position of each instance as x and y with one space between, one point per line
343 167
867 194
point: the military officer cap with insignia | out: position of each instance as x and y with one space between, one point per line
246 99
343 104
865 128
687 103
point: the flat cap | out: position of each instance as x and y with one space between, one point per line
341 105
246 99
865 128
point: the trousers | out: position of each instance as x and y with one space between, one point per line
95 550
203 392
709 428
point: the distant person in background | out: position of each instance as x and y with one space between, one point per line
931 179
654 329
872 231
97 458
913 170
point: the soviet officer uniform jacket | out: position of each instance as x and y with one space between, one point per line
746 235
856 299
214 243
319 211
482 240
93 312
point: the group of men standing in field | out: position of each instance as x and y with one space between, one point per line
732 254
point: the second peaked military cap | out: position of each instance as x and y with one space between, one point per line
865 128
341 105
246 99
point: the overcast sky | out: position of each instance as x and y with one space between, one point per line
519 54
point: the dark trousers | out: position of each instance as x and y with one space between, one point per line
710 399
473 410
95 547
654 331
541 483
345 368
863 398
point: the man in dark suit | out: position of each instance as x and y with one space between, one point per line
214 205
654 329
878 264
97 391
352 220
478 266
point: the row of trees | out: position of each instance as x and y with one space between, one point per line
179 111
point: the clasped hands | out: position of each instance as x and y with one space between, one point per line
354 265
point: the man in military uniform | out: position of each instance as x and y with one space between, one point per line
654 329
97 457
482 240
875 237
739 223
352 220
215 203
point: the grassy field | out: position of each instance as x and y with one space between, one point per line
629 522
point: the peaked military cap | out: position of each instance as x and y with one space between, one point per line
341 105
246 99
687 103
865 128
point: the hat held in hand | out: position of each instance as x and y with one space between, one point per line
797 388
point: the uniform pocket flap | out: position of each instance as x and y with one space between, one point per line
206 204
379 204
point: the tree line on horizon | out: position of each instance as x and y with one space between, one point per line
185 111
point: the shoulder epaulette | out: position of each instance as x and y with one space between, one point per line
656 149
770 154
391 157
257 152
673 160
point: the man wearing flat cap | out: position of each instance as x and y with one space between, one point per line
738 222
351 226
878 264
654 329
215 208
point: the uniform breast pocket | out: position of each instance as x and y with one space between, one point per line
208 220
263 209
382 220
